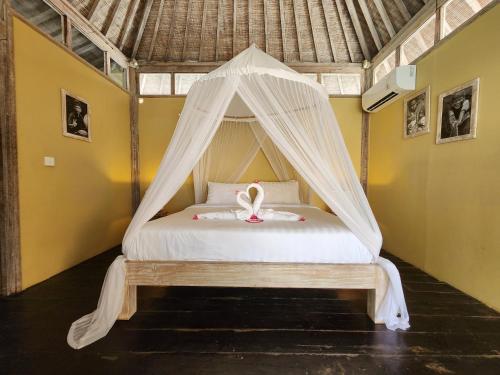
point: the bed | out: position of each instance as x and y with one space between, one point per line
320 252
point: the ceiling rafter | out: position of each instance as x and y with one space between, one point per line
127 26
344 30
142 26
110 18
300 42
283 30
93 8
203 26
235 15
403 9
357 28
385 17
315 37
369 22
188 16
155 31
331 33
266 26
220 20
171 31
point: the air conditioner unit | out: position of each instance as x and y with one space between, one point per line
395 84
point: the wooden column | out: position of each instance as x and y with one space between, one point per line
365 132
134 138
10 252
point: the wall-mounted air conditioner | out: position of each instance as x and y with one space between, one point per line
395 84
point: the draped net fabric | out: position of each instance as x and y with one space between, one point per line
296 115
228 156
232 150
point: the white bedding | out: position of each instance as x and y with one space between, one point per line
321 238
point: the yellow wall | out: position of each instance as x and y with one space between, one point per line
80 207
439 205
157 120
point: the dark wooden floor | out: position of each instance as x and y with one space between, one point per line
248 331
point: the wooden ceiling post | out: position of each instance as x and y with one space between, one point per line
10 243
134 138
365 132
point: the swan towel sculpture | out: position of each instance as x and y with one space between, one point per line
251 213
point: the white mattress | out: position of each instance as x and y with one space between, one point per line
321 238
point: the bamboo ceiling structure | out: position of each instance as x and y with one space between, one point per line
212 31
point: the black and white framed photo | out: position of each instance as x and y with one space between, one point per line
75 117
417 113
457 113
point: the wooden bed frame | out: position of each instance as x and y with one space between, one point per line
255 275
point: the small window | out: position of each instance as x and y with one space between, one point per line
184 81
419 42
456 12
41 15
87 50
313 76
385 67
341 84
118 73
154 83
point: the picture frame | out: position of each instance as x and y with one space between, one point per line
416 118
457 113
75 116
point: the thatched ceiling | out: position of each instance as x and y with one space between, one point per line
293 31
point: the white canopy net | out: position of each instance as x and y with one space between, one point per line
297 130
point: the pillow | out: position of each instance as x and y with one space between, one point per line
281 192
220 193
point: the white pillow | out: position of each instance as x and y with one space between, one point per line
281 192
220 193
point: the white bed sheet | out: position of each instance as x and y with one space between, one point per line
321 238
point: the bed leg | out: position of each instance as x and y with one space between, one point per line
129 303
375 296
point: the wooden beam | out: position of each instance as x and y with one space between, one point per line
155 31
142 26
330 27
129 21
93 8
369 22
235 14
403 10
188 16
171 30
205 67
344 30
299 39
357 28
220 20
134 138
266 28
10 243
283 30
385 17
68 38
110 18
314 31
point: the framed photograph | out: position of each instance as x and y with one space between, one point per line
75 116
457 113
417 113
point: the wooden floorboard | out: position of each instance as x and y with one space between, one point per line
183 330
